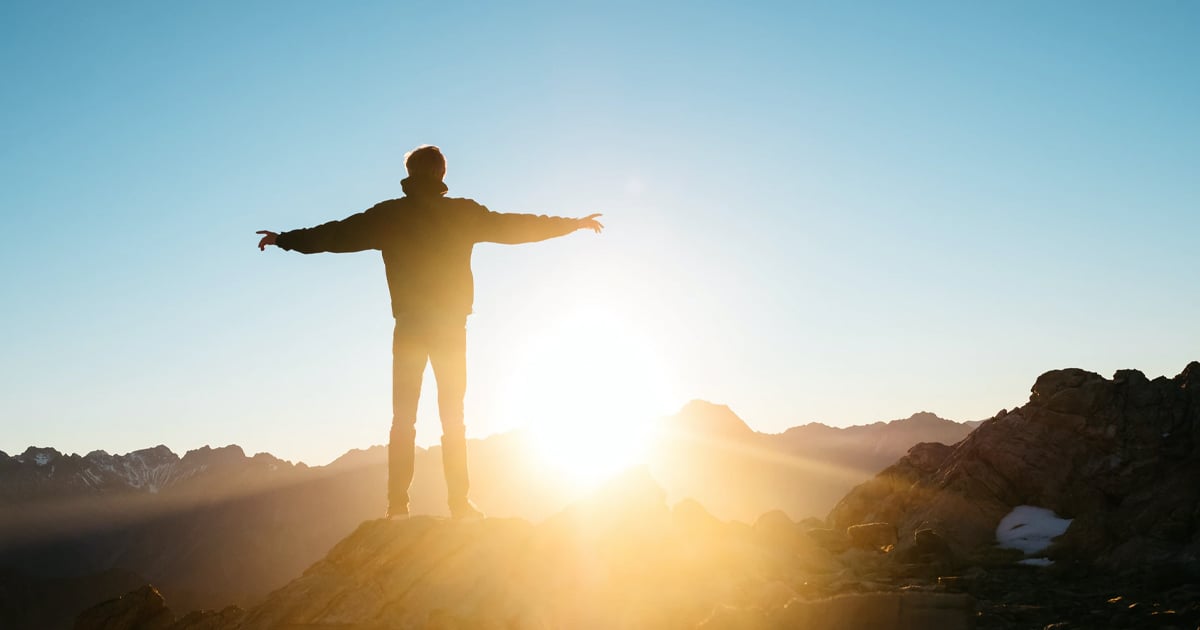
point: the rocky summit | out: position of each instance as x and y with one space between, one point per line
1079 509
215 526
1119 458
621 559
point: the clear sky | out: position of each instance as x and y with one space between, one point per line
840 212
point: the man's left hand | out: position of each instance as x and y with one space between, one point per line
269 238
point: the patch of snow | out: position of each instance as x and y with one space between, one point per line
89 477
1036 562
1166 435
41 459
1030 529
139 473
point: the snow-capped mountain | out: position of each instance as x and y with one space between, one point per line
42 472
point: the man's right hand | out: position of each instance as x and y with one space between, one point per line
590 223
267 239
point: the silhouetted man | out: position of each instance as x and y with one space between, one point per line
426 239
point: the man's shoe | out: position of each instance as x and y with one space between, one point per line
465 511
396 515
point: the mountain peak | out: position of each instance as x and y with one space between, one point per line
703 418
39 455
923 418
1190 376
359 457
209 455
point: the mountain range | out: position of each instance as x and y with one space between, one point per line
216 526
1077 509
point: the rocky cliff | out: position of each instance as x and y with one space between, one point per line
1120 457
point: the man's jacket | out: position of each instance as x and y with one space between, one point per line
426 240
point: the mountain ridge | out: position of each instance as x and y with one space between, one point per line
43 473
215 526
920 545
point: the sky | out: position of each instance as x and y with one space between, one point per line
816 212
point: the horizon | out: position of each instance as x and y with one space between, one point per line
814 213
180 452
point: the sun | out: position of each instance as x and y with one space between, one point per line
590 393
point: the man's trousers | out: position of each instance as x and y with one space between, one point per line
441 341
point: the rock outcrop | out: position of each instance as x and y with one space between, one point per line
141 609
145 609
620 559
218 526
1120 456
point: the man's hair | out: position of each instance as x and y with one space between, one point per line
425 161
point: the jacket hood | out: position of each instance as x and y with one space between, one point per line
422 187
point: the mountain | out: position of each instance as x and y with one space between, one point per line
1078 509
211 527
1113 463
621 558
711 455
217 527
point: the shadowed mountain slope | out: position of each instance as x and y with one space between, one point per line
1120 457
711 455
217 527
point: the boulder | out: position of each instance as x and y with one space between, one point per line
832 540
141 609
223 619
878 611
872 536
927 543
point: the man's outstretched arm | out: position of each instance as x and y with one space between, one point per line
512 228
352 234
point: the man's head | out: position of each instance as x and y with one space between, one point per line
425 162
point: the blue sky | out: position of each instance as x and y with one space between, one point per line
836 212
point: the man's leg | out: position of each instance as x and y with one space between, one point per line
448 355
410 352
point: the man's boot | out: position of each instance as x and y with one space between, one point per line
401 446
454 465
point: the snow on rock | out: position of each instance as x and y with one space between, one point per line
1030 529
41 459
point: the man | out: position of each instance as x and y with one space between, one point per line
426 239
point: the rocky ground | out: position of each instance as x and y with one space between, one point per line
913 549
650 567
1024 597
